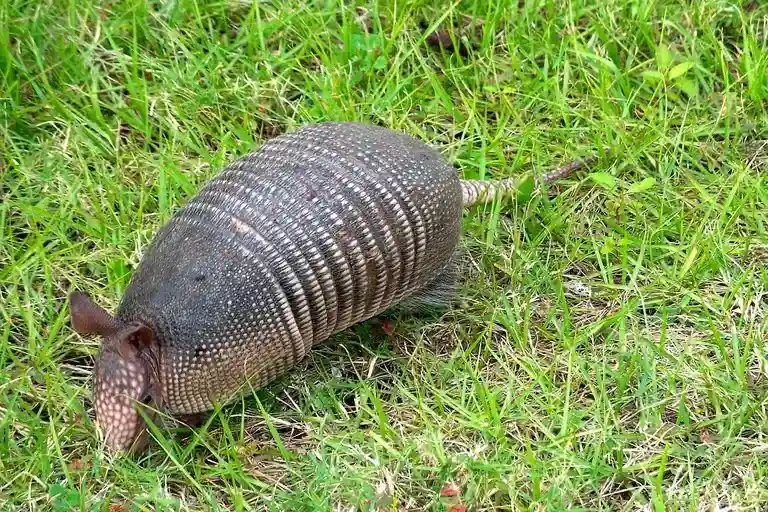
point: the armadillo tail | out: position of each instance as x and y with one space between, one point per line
479 191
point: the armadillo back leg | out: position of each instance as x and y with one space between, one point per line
439 294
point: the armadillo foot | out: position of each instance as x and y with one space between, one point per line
191 420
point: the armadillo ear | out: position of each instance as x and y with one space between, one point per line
133 340
87 317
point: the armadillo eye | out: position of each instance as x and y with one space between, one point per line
146 400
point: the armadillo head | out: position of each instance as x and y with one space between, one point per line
124 380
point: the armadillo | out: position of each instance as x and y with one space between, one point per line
320 229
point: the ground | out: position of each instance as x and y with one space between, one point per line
610 353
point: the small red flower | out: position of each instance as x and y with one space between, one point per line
450 490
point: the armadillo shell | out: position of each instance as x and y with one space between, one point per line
320 229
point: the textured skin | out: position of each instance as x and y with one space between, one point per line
320 229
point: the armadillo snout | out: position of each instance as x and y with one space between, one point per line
120 387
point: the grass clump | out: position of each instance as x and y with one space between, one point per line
612 351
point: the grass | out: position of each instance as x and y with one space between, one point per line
611 354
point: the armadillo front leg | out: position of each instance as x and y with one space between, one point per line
191 420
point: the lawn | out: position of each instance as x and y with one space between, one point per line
610 351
